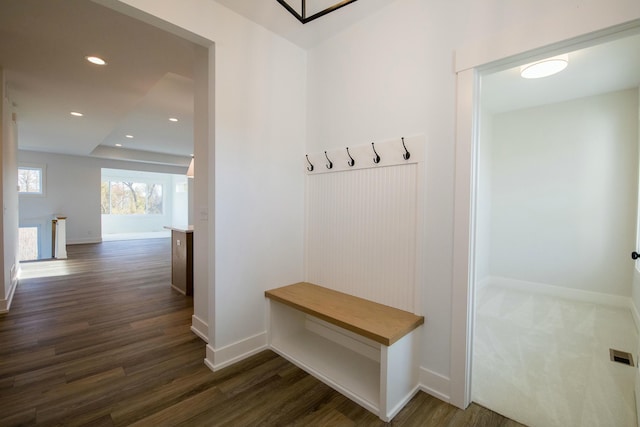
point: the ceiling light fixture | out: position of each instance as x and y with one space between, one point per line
545 67
302 14
96 60
129 136
118 145
173 119
76 114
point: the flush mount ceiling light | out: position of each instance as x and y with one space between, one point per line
129 136
302 14
96 60
173 119
545 67
76 114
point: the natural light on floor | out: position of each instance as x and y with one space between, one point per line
53 268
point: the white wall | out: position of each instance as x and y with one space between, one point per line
564 193
9 195
483 207
259 187
72 189
393 74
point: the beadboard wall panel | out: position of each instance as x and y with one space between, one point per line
361 231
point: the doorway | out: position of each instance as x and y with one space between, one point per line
555 218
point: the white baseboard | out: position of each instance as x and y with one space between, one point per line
560 292
636 315
84 241
5 304
435 384
200 328
228 355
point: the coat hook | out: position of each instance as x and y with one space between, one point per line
376 159
330 164
310 168
406 154
350 162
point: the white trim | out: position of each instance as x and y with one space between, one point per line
561 292
636 317
476 54
84 241
5 304
200 328
232 353
463 240
435 384
468 62
401 404
42 168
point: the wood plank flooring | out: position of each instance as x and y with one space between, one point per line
101 339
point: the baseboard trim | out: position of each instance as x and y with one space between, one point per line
435 384
200 328
5 304
84 241
636 316
560 292
233 353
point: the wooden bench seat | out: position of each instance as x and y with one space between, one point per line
378 322
367 351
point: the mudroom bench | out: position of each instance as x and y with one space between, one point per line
367 351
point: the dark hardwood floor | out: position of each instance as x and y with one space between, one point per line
101 339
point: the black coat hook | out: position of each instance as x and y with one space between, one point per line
310 168
330 164
350 162
406 154
376 159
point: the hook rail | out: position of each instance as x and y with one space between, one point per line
356 156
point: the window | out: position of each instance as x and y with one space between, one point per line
28 243
131 198
31 180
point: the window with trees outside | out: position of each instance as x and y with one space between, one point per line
30 180
131 198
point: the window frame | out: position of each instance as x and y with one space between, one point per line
43 179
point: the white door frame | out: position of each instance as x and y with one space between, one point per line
471 66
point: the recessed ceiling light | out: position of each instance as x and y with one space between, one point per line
75 113
544 68
173 119
118 145
129 136
96 60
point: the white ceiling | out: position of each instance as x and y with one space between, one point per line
271 15
148 79
606 67
149 75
